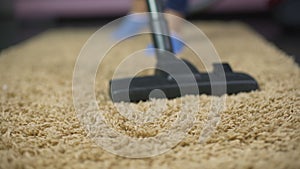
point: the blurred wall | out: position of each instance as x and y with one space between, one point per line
32 9
6 9
95 8
7 23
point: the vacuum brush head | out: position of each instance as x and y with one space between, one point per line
158 86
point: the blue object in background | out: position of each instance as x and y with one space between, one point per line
176 44
131 25
177 5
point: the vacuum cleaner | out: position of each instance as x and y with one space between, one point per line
169 69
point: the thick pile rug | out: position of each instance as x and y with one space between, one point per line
39 126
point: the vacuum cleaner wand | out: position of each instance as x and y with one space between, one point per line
159 26
140 88
160 36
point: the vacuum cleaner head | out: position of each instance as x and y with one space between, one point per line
141 88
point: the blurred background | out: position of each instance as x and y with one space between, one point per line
277 20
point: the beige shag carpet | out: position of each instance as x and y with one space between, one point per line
39 127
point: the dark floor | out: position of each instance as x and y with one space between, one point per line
286 38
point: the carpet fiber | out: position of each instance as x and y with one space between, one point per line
39 126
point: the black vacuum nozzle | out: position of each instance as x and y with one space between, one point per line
140 88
